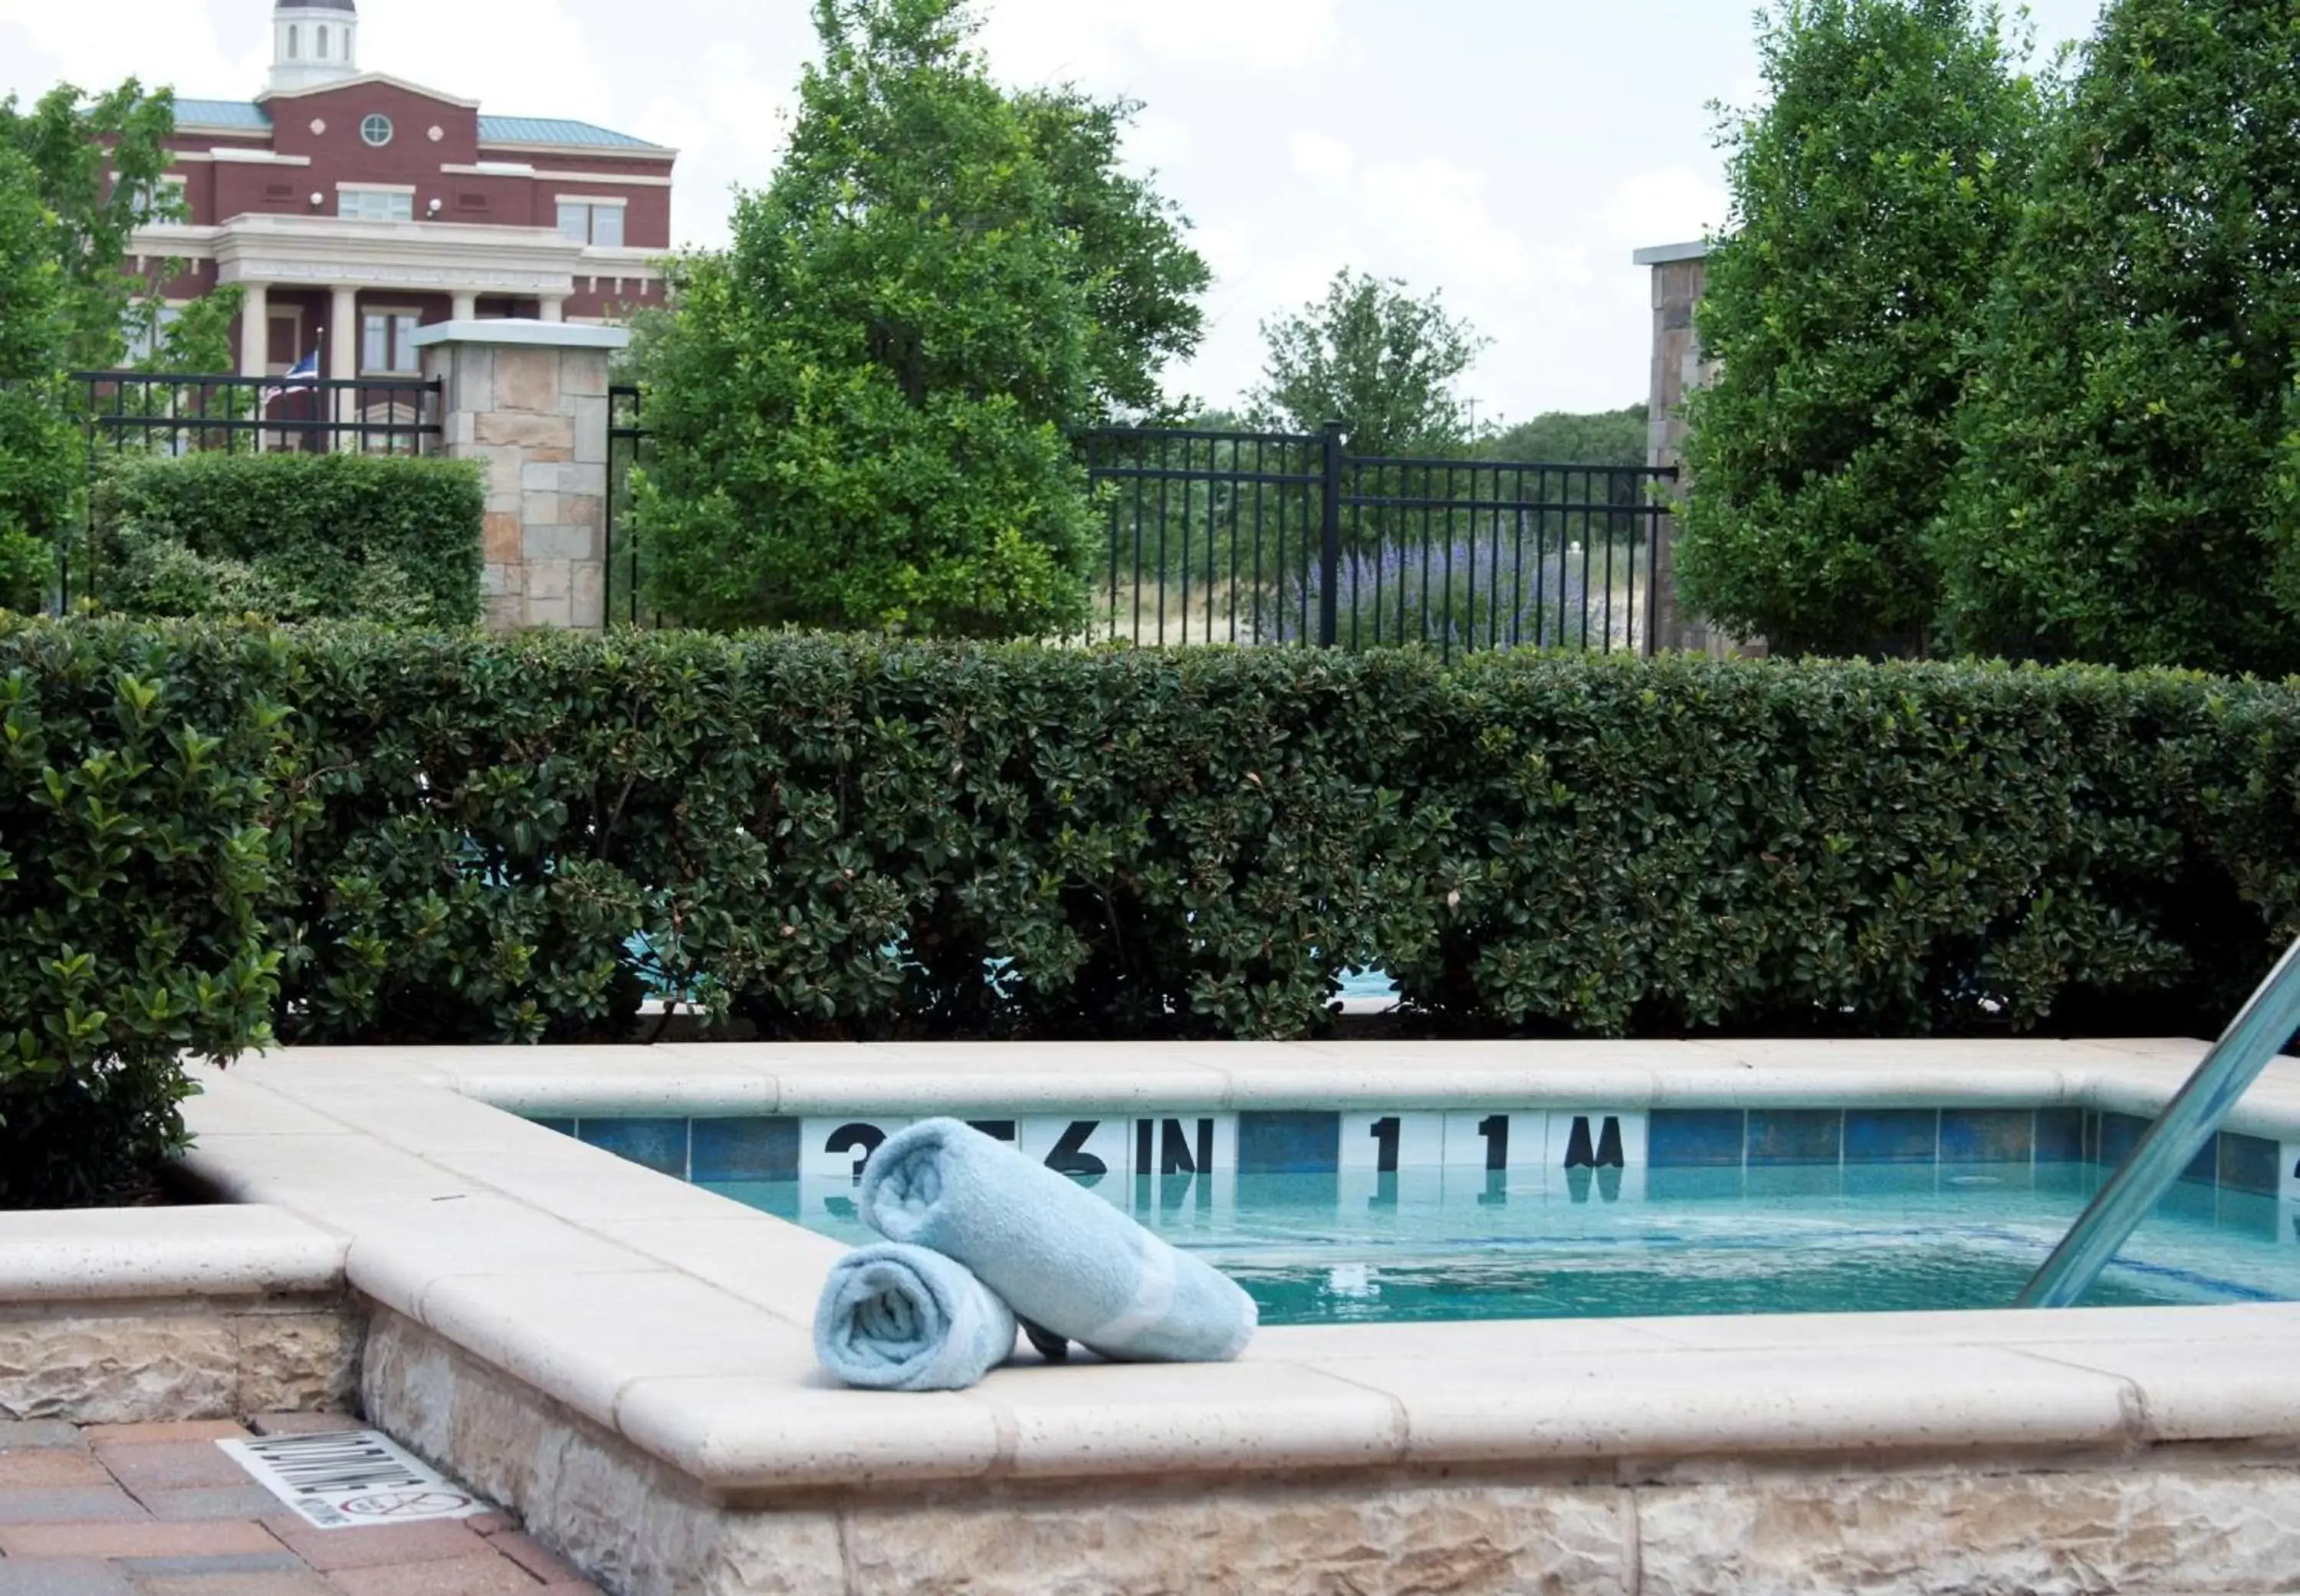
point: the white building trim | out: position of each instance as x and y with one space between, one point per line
589 152
340 84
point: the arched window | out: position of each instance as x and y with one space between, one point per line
295 42
323 41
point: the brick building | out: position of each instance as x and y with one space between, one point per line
353 208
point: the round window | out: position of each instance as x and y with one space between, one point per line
377 130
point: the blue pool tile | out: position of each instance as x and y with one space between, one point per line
1987 1136
1289 1144
1892 1135
732 1149
1695 1138
1795 1136
2060 1136
660 1144
565 1128
2118 1134
2250 1164
2205 1169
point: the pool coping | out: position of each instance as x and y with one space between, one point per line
679 1320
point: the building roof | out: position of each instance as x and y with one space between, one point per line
545 129
245 116
350 5
222 113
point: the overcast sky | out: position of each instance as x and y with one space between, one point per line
1512 153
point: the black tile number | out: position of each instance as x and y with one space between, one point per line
1071 1157
860 1140
1384 1134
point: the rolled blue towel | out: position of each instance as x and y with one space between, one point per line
1061 1257
902 1318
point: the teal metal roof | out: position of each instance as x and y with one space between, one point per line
545 129
492 129
222 113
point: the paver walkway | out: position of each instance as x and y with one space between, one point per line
160 1510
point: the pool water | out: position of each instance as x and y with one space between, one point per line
1428 1245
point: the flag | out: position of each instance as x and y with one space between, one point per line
305 373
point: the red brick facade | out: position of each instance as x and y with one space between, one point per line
468 222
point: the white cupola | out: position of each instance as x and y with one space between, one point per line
313 42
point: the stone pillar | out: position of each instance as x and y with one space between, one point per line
529 400
555 308
254 330
1679 277
466 306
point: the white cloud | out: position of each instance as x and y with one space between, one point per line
1674 206
1092 41
1322 159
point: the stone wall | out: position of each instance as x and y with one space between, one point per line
2149 1519
529 399
171 1361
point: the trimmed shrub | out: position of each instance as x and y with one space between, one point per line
139 780
836 837
294 538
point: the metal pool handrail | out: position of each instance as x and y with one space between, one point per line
2183 1130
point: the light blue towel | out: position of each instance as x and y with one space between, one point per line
902 1318
1061 1257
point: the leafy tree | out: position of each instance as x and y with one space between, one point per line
2126 496
1373 355
1609 438
76 178
40 460
96 165
1143 279
1873 197
858 410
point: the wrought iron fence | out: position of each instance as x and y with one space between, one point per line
627 444
170 414
1254 538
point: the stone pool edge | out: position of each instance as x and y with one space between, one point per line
664 1328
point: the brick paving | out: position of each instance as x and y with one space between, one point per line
159 1511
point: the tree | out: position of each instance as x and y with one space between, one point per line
77 178
1872 199
1374 356
859 410
2123 497
96 165
1144 281
1609 438
40 465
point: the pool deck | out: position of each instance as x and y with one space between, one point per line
628 1359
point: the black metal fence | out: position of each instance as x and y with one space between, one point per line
1254 538
627 440
1267 538
171 414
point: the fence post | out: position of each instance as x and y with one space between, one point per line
1329 553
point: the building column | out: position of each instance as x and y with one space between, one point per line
555 309
343 355
530 401
254 330
466 306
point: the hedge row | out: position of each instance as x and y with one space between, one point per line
292 536
454 838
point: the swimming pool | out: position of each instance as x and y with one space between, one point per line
1328 1217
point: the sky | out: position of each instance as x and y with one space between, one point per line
1512 153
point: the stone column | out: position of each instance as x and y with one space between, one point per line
466 306
555 308
528 399
254 330
1679 276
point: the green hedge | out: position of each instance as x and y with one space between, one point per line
293 537
838 837
141 774
1198 843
